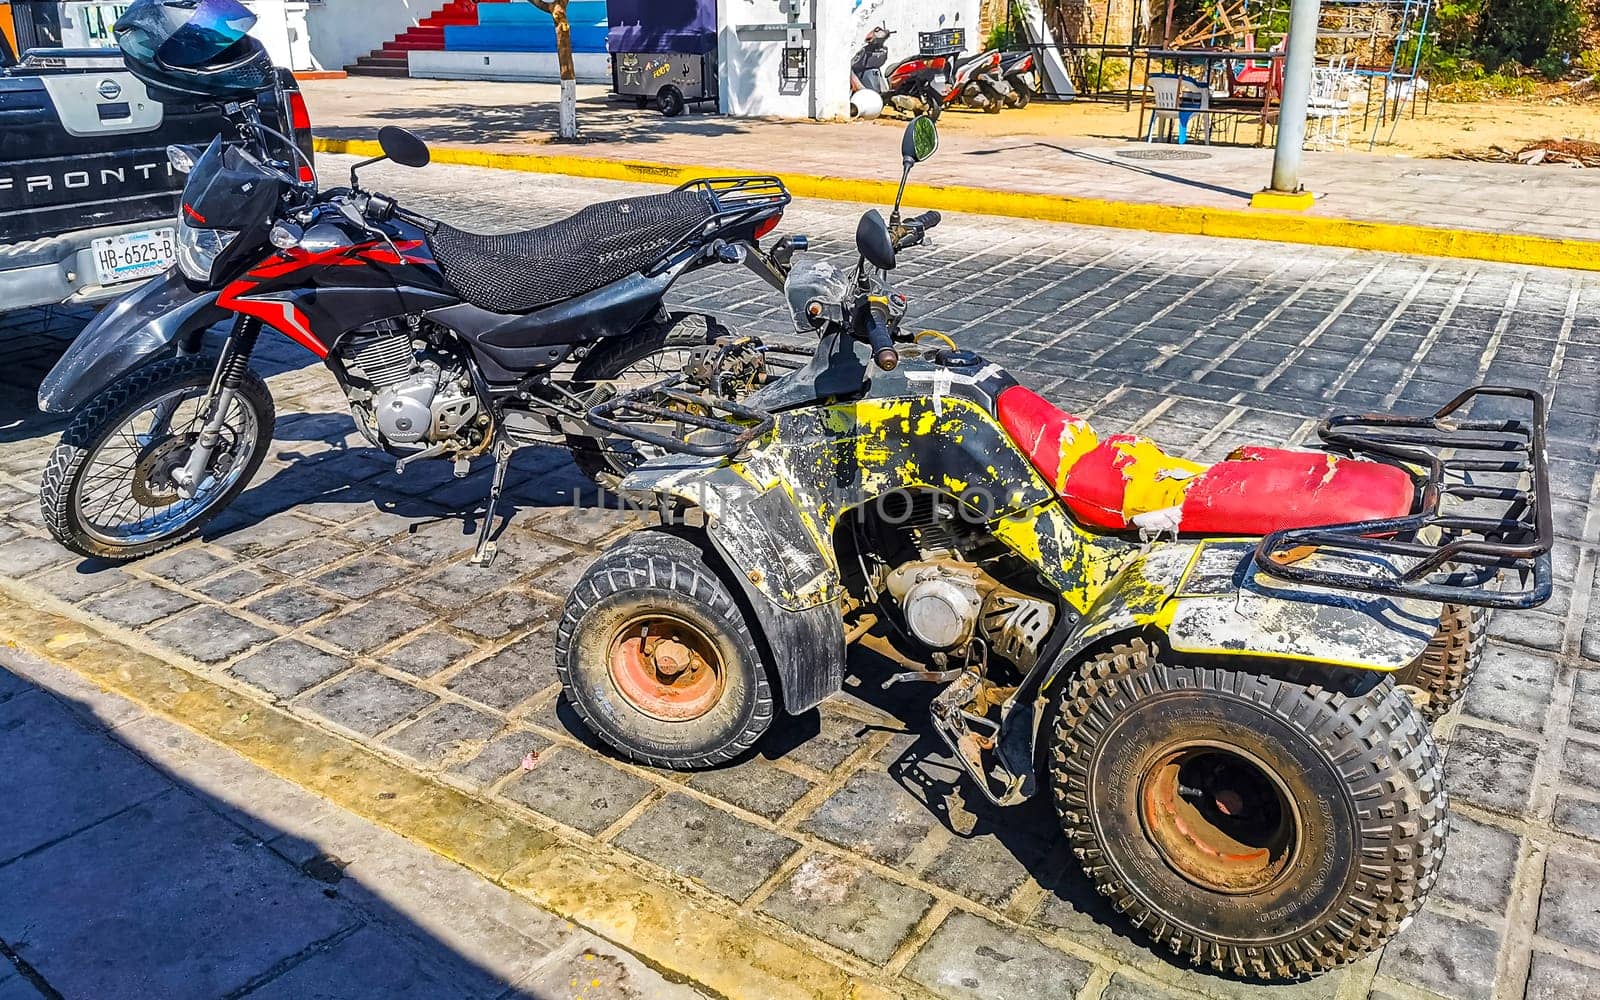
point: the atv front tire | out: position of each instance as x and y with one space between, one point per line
1270 824
655 655
1441 674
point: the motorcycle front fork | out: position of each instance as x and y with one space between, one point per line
230 371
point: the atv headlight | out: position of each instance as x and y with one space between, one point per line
198 250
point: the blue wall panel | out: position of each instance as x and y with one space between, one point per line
522 27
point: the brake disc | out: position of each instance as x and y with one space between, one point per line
152 473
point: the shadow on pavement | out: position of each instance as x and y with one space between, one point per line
122 879
599 120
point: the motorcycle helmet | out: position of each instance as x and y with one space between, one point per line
185 50
865 104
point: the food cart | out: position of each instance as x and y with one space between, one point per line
663 52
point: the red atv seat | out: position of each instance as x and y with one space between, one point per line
1127 481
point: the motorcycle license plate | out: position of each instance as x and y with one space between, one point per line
133 256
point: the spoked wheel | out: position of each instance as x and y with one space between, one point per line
108 489
1438 678
656 657
1272 825
640 359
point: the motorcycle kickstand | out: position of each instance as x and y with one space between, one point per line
487 549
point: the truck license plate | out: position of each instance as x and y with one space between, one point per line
134 256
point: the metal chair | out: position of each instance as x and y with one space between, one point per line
1177 100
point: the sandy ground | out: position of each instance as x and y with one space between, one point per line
1446 128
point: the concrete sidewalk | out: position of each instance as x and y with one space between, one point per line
510 118
138 859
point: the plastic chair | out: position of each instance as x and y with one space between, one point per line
1328 108
1178 99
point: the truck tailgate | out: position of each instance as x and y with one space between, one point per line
88 150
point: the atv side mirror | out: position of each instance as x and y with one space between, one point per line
874 242
921 140
403 147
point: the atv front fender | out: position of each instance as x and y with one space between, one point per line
790 585
126 334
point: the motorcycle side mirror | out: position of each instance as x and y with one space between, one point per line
921 140
873 241
403 147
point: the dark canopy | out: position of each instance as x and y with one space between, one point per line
688 26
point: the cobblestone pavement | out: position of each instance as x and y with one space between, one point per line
247 886
343 593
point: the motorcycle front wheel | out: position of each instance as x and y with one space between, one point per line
108 491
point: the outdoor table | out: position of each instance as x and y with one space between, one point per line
1235 106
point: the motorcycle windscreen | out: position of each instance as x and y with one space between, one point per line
126 335
230 189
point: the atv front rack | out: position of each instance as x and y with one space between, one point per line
1484 516
729 434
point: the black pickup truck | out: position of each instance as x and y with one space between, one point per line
87 197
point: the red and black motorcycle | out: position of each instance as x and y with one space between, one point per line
447 344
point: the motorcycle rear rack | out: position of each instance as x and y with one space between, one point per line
697 411
1496 469
735 201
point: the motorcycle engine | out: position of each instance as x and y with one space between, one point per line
408 394
947 603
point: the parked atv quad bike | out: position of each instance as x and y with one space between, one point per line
1192 661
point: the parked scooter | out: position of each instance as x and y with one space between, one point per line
926 84
1203 666
1017 69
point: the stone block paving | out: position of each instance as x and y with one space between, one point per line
343 593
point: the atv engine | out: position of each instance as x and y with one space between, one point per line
408 393
946 603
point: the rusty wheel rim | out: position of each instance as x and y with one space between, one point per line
1220 817
666 668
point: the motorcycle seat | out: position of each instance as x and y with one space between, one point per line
601 244
1127 482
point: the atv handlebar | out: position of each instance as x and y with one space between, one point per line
880 338
913 231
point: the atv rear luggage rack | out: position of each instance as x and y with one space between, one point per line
1485 511
695 410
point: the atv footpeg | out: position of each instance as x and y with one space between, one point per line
923 677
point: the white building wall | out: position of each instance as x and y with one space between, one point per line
343 30
755 32
539 67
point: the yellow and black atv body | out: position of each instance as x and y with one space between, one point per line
1197 661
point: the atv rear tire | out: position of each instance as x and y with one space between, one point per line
655 655
1271 825
1443 671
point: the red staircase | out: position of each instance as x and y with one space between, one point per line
427 36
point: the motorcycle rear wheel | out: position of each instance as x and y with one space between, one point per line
106 491
1202 799
642 358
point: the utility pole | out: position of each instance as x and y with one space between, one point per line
1286 191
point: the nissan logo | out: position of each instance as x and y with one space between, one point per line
110 89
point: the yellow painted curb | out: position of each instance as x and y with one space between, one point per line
658 922
1231 223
